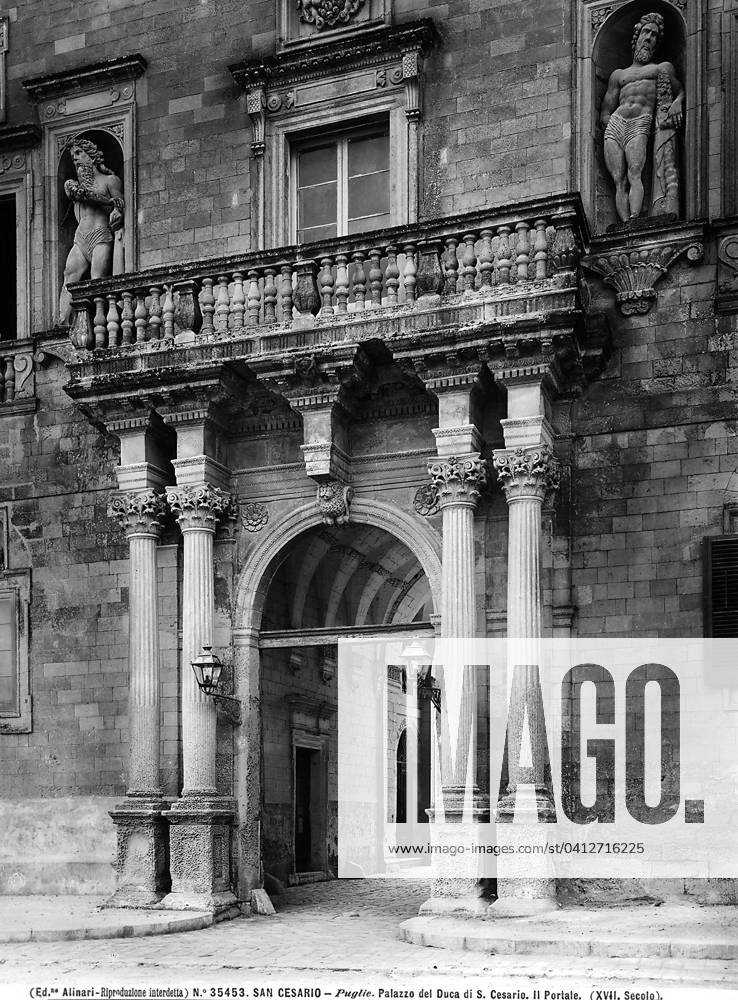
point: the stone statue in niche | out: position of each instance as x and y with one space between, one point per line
644 99
97 198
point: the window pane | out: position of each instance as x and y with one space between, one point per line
368 195
317 233
368 155
315 166
317 206
372 222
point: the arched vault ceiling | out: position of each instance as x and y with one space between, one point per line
351 575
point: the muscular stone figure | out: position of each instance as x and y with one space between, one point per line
97 195
628 111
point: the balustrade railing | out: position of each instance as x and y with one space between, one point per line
16 369
342 279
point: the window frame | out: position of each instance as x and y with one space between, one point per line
17 585
339 138
276 225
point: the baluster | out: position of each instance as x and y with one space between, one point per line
126 319
222 305
342 283
359 280
207 306
167 313
238 301
306 296
469 262
485 259
140 318
392 276
99 327
9 380
187 314
523 250
286 289
113 323
270 295
2 382
451 265
375 278
408 273
504 257
253 300
541 249
155 313
325 280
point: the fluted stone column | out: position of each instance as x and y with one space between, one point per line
200 820
527 476
141 869
457 481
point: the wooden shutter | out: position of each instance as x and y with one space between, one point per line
721 586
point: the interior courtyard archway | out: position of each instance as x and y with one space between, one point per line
325 582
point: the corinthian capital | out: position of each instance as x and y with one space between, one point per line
527 472
140 512
458 480
200 506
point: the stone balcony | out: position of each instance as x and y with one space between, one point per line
497 286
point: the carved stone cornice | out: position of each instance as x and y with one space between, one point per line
371 47
93 76
635 260
458 480
200 507
140 512
527 473
334 501
23 136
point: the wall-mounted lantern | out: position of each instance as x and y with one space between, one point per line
208 668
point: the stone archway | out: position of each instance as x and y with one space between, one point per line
299 588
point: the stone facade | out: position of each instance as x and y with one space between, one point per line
325 399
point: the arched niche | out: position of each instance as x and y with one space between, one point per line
605 34
114 159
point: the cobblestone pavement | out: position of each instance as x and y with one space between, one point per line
338 934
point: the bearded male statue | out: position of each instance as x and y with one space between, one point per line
644 98
97 196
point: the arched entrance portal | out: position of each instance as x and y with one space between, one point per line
329 582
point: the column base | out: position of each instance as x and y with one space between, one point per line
452 893
526 883
199 847
142 863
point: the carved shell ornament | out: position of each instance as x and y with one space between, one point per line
328 13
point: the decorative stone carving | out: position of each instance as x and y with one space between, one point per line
458 480
632 109
334 500
255 104
328 13
728 264
139 512
426 501
633 273
527 472
599 16
254 516
200 506
97 197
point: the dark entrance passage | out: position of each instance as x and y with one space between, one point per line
304 766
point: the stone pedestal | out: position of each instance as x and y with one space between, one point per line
141 867
457 481
200 821
527 476
199 836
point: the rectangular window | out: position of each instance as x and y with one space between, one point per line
343 185
721 587
15 695
8 267
9 694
